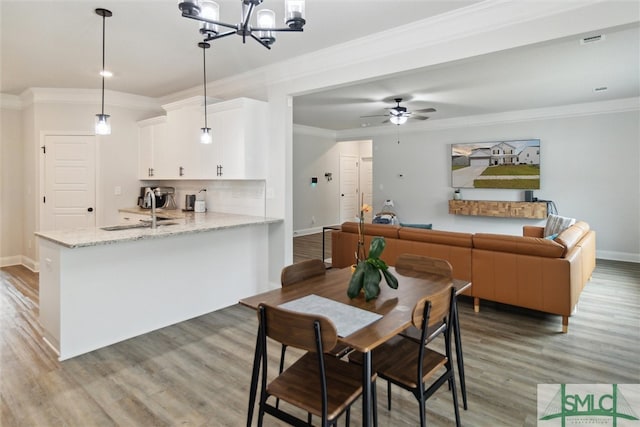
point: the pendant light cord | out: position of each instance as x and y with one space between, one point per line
103 70
204 68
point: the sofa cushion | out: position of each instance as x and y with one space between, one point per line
572 235
384 230
452 238
557 224
534 246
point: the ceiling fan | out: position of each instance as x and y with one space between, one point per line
399 115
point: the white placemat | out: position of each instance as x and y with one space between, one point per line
346 318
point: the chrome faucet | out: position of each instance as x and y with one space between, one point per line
150 196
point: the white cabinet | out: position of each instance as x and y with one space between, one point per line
169 146
240 134
151 133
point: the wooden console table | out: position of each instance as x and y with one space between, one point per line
504 209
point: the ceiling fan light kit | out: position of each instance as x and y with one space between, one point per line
208 13
102 126
399 115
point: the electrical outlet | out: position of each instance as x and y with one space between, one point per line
117 190
313 220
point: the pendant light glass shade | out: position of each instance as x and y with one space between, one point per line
294 13
102 124
266 19
210 10
205 136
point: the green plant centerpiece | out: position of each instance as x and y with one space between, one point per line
369 272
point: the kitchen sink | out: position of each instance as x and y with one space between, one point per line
137 225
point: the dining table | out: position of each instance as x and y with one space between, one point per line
395 307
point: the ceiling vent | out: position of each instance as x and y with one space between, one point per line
592 39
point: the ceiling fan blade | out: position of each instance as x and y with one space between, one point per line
377 115
387 121
419 117
426 110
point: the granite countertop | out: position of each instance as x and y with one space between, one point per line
160 213
188 223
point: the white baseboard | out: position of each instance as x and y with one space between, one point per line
20 260
618 256
10 260
307 231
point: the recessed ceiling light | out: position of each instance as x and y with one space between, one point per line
106 73
600 89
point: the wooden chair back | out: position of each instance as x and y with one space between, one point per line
417 266
296 329
300 271
439 308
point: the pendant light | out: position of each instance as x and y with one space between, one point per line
102 120
205 136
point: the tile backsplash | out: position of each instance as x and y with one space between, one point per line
244 197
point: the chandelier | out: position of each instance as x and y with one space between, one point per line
208 12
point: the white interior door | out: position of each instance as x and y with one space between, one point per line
349 194
69 182
366 186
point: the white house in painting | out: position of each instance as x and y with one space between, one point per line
530 155
503 154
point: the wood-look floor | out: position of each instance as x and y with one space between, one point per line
196 373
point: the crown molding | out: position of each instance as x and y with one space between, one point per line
477 29
87 96
559 112
314 131
10 102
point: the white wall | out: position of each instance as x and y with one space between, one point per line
316 152
589 168
48 112
11 187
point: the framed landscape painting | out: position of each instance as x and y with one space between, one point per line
499 164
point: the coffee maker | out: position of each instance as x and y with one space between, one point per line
189 202
164 198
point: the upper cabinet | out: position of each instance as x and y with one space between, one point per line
169 146
151 133
240 135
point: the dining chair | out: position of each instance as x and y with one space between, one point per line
317 383
409 364
296 273
423 266
412 265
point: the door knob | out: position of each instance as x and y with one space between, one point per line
342 195
89 209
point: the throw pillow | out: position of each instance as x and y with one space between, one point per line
556 224
552 236
424 226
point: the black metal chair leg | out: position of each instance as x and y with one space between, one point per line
254 380
458 341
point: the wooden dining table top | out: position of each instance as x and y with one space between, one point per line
395 305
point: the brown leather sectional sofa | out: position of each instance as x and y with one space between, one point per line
526 271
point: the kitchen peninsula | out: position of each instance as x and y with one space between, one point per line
99 287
